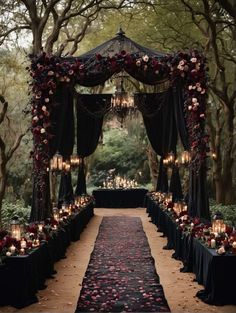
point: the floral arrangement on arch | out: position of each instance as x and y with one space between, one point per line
189 69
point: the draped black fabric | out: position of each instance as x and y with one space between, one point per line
64 136
90 112
178 101
159 120
175 185
158 115
198 203
62 117
81 180
162 180
65 190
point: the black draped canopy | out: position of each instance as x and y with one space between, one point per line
179 111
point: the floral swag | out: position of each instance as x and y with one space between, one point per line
48 71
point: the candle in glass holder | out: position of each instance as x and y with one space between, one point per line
40 226
12 249
213 243
22 251
234 247
23 244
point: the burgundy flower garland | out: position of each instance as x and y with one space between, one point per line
190 70
47 71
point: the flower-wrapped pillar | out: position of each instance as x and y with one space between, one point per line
189 71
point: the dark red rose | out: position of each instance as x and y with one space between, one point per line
98 57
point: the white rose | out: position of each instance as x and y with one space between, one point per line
194 100
145 58
193 60
42 131
44 108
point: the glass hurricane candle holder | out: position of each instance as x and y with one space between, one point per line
15 228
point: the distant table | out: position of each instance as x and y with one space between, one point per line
217 273
119 198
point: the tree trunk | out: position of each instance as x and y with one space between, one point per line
153 165
3 183
228 161
37 40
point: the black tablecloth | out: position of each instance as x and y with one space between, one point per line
22 276
216 273
119 198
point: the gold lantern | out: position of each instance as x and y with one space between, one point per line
218 225
15 228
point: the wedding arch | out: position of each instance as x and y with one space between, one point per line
181 110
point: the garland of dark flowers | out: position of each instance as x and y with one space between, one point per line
47 71
189 69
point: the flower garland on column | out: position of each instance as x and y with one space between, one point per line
47 71
190 69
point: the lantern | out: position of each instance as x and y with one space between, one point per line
56 163
218 225
55 213
15 228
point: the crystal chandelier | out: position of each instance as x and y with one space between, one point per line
122 104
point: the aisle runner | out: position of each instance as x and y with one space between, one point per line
121 276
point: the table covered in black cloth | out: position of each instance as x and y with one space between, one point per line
22 276
119 198
217 273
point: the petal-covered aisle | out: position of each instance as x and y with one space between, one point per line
121 275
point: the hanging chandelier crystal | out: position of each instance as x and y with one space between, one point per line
122 103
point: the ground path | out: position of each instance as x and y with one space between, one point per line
62 293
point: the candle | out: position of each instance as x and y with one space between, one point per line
23 244
40 227
12 249
192 224
213 243
22 251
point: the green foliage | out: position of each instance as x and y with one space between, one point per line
228 211
122 151
10 210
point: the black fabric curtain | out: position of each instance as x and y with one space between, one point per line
66 194
178 101
198 203
90 112
159 119
162 180
62 117
175 185
64 137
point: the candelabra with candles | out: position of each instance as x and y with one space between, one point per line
171 161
